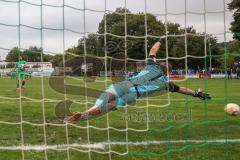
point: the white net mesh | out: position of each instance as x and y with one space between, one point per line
31 122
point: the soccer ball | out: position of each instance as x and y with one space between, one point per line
232 109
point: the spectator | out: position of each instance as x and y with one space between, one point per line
238 72
229 73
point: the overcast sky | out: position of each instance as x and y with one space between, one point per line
52 17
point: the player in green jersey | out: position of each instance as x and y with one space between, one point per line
20 73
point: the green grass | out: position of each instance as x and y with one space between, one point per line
185 118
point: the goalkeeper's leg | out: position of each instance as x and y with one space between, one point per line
97 110
117 95
103 104
92 112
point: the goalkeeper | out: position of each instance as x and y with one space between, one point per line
151 79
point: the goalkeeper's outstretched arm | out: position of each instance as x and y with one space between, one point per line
155 48
187 91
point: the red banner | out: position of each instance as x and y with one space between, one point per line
204 76
182 76
177 76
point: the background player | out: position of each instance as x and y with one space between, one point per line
20 73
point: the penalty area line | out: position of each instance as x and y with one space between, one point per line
52 147
101 145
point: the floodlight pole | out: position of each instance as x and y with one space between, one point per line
210 55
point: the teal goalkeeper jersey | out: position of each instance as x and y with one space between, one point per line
150 79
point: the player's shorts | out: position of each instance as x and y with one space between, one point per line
123 93
121 88
19 75
126 99
23 76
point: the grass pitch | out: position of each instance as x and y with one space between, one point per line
174 127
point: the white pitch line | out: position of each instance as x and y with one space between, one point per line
52 147
175 142
101 145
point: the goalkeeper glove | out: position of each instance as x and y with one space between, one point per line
163 39
200 94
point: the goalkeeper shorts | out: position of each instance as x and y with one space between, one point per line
123 93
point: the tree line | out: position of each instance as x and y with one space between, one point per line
138 37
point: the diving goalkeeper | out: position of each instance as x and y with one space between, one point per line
153 78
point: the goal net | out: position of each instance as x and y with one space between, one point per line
94 43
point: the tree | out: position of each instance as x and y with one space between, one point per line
32 54
135 28
235 25
10 65
135 46
234 46
92 46
194 48
57 60
115 27
12 55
